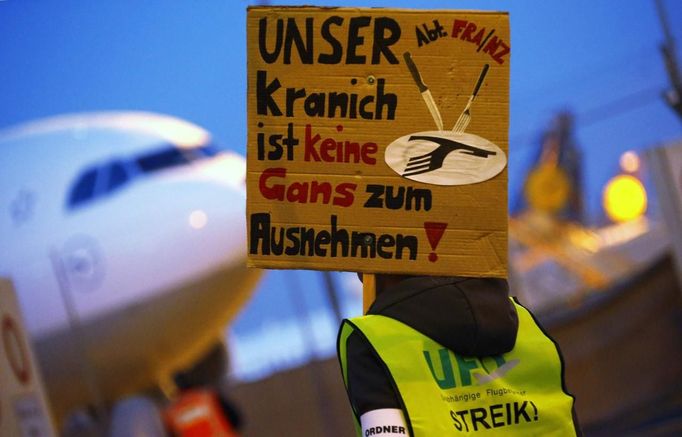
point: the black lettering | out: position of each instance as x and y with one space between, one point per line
421 39
295 247
290 141
518 412
353 106
382 42
364 113
364 242
276 152
385 241
395 202
375 200
261 146
314 105
337 50
264 94
408 242
494 415
355 40
307 238
478 415
457 423
410 198
277 247
323 238
340 101
269 57
461 415
415 197
339 237
390 100
304 241
260 233
293 36
294 94
432 33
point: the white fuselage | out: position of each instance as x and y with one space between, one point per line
125 240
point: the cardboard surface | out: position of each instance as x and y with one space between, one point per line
23 404
348 166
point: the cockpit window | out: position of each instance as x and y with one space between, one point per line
106 178
173 156
84 188
117 176
160 159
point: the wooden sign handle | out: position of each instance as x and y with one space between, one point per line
369 291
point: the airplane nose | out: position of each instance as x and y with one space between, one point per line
215 218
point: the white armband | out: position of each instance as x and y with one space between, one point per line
386 422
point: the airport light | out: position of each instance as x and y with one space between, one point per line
629 162
624 198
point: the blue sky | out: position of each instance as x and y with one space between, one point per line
598 58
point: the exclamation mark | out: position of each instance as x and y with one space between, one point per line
536 410
434 232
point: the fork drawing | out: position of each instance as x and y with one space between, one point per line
465 116
434 159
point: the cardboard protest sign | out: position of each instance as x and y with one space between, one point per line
377 140
23 403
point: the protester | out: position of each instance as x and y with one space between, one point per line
199 409
452 356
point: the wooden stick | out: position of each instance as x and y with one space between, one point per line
369 291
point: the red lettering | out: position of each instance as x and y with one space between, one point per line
369 149
331 150
310 144
327 145
346 191
457 26
317 189
466 35
276 192
304 192
468 31
500 54
479 37
351 149
298 192
492 46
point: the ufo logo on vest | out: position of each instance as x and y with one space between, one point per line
445 158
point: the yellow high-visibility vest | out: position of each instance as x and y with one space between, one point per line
443 393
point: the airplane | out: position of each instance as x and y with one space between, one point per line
124 236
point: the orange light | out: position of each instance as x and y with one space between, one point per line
629 162
624 198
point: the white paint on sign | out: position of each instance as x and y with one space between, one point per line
445 158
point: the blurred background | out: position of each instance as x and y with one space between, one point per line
122 228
